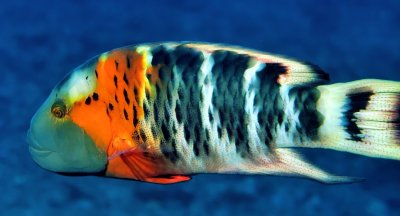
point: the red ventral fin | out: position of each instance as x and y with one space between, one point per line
144 170
135 163
170 179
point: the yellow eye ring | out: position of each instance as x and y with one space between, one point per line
59 109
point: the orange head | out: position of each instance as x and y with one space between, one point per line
92 115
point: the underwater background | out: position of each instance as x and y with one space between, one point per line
41 41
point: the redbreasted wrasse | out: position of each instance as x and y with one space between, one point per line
163 112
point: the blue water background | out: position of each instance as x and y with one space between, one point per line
40 41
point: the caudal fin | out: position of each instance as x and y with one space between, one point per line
361 117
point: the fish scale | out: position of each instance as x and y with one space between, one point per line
181 69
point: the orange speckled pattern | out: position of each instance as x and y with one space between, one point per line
112 116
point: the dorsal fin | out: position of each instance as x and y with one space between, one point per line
295 73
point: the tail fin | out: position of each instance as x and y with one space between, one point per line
361 117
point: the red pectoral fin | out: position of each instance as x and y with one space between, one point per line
136 166
133 163
168 179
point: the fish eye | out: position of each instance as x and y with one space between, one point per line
59 109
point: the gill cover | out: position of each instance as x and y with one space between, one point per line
55 142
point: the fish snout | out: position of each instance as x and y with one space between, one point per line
35 149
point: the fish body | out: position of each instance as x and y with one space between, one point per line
163 112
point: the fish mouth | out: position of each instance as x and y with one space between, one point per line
35 148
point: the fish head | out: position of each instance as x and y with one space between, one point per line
56 141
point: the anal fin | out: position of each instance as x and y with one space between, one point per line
291 164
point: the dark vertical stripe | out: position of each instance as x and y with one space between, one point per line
357 101
187 62
305 101
269 99
229 98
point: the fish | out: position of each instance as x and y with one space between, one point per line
164 112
